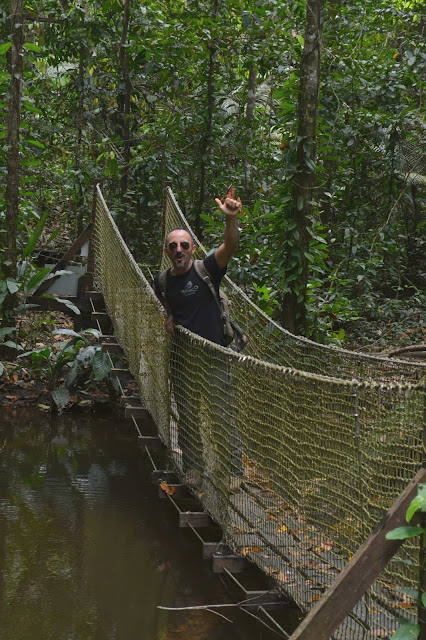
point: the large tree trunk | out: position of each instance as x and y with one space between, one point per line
14 119
294 305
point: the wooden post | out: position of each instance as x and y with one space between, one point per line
360 573
421 611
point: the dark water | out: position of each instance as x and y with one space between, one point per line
87 549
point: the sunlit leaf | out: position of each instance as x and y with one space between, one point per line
402 533
31 46
407 631
5 47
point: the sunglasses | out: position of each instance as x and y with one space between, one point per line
174 245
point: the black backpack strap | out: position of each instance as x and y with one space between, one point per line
201 270
162 283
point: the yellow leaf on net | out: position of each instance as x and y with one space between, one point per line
245 551
315 597
282 529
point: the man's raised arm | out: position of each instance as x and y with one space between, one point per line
231 209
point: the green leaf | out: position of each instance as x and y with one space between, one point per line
34 237
93 332
101 365
12 345
12 285
407 631
7 331
61 397
418 503
424 599
65 302
5 47
1 369
301 40
403 533
32 47
207 218
37 278
35 143
67 332
69 305
40 355
412 593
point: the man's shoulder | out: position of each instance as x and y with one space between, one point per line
212 267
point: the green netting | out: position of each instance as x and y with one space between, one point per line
297 450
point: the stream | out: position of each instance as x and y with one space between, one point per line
88 551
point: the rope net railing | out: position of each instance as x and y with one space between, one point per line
269 341
294 457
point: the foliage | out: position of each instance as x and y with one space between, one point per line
408 630
72 364
366 234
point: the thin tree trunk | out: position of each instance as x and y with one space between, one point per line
205 145
250 111
78 152
14 119
127 85
294 305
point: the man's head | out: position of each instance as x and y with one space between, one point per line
180 248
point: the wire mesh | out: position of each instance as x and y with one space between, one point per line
297 450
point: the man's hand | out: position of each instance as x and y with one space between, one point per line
229 207
169 325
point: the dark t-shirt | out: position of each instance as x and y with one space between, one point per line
192 303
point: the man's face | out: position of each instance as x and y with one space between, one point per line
180 249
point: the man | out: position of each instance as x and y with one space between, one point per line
188 296
191 304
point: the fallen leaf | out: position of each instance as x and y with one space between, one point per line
169 490
282 529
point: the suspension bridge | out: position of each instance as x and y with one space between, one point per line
330 443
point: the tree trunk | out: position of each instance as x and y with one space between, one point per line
250 111
14 119
127 92
294 304
78 150
206 140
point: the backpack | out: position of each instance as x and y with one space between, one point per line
234 335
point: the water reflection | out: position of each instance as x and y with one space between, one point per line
87 550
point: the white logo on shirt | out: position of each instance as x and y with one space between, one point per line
189 289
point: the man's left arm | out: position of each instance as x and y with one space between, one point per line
231 209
